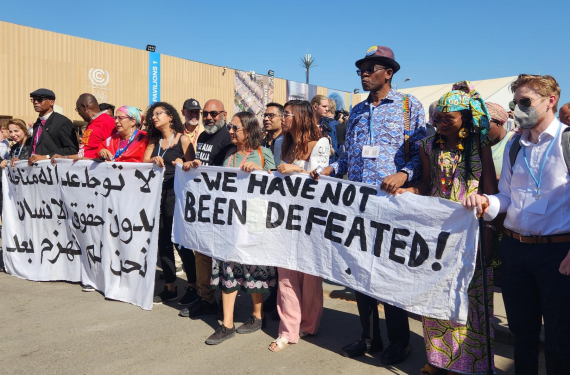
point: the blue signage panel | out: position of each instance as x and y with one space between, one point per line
153 77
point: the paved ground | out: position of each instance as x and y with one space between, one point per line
54 328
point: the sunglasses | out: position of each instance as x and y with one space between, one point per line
269 115
211 113
233 127
39 100
525 102
360 72
445 120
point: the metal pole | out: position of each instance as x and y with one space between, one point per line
485 294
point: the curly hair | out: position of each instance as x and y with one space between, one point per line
251 126
154 135
303 131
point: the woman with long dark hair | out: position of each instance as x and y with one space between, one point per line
457 162
299 296
166 148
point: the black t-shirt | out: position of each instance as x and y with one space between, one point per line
212 148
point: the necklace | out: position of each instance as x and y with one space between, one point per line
447 174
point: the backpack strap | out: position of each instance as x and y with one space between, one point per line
407 119
514 151
261 157
566 147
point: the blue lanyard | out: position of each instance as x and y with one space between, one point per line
539 180
159 144
20 150
122 150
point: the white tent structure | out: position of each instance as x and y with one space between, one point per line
492 90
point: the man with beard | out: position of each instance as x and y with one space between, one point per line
272 124
212 146
191 112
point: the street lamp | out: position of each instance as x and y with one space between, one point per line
404 81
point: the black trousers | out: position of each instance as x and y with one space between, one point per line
396 320
534 289
165 245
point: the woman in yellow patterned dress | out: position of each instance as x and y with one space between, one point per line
457 162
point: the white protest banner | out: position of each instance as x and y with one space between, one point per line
90 222
414 252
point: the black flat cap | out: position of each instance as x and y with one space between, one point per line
43 93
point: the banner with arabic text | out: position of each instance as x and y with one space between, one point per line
89 222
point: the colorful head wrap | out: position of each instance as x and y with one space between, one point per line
133 112
497 112
464 96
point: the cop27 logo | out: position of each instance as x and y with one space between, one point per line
99 79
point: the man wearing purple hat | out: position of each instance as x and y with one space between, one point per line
381 150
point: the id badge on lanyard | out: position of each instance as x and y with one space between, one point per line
370 151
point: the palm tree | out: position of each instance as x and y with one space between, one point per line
308 62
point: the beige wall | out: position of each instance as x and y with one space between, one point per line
33 58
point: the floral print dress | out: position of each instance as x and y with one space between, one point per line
449 345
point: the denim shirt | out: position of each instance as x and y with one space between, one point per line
389 134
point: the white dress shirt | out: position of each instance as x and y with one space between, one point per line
517 190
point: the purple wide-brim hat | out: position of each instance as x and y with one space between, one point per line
381 54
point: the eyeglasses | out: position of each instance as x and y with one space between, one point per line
285 114
360 72
214 114
445 120
156 114
39 100
270 115
233 127
121 117
77 108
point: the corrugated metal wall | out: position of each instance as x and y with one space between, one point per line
33 58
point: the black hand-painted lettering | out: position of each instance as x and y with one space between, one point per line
234 209
308 188
357 229
419 252
366 191
212 184
218 211
280 215
276 184
380 228
349 195
145 223
229 178
292 217
398 244
328 194
189 210
253 182
441 242
332 228
202 208
293 187
314 218
146 186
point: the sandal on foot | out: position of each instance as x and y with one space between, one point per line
430 370
280 343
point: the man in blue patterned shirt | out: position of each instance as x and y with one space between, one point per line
381 150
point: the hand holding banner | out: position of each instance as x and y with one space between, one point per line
413 252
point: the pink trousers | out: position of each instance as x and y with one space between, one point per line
299 303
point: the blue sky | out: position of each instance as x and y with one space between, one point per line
434 41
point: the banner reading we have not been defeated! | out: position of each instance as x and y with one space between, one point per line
90 222
414 252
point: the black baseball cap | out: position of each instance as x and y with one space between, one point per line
43 93
191 105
